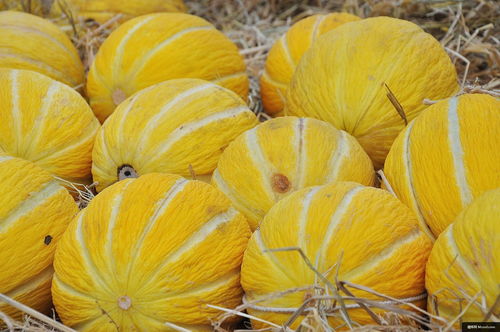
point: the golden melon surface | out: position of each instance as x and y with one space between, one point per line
464 265
150 252
178 126
153 48
286 53
104 10
446 157
362 234
32 43
342 77
282 155
34 212
46 122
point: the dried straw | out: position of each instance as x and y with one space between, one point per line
468 30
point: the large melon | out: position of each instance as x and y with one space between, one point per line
282 155
149 254
153 48
347 232
178 126
346 75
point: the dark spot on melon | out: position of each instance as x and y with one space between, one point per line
280 183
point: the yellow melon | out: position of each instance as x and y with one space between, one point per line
446 157
282 155
286 53
149 254
47 122
104 10
34 212
32 43
342 79
363 235
71 15
464 266
179 126
157 47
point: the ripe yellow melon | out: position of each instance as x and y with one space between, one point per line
286 53
34 212
178 126
446 157
103 10
148 254
30 42
98 10
157 47
47 122
285 154
363 234
341 79
464 265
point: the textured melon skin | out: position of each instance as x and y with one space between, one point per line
377 236
46 122
104 10
340 79
169 245
153 48
465 262
101 11
282 155
178 126
445 158
32 43
286 53
34 212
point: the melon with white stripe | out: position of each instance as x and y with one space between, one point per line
346 76
150 254
30 42
179 126
446 157
285 154
47 122
286 53
153 48
34 213
358 234
464 265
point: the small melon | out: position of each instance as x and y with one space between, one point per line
346 75
33 43
358 234
149 254
34 212
153 48
464 266
285 154
445 158
179 126
286 53
47 122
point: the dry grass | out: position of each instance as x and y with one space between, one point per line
469 31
